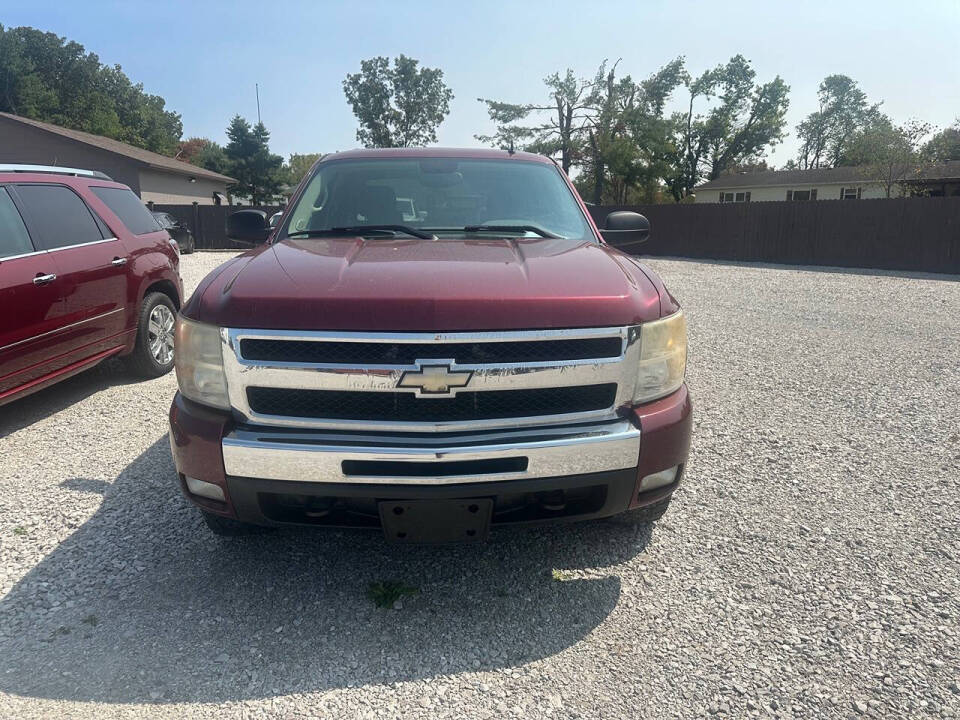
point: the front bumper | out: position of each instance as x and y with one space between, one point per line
276 476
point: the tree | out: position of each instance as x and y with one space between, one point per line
943 146
249 160
559 132
888 155
399 106
47 78
738 128
299 165
825 134
627 139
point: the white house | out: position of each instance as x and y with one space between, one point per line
842 183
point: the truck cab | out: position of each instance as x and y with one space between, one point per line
490 360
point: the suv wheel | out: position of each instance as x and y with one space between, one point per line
642 515
228 527
152 354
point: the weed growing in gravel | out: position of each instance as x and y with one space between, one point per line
561 575
91 620
19 530
385 593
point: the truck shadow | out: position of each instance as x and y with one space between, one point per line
142 604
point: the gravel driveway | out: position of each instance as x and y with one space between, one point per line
808 568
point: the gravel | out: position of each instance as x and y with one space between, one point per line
808 568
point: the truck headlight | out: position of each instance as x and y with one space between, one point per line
199 362
663 357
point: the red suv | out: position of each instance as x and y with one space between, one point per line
85 273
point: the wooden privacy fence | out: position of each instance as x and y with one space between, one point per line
920 234
208 223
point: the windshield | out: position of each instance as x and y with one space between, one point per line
440 195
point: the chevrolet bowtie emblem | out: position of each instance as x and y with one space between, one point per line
435 380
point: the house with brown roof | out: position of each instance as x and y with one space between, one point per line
841 183
155 178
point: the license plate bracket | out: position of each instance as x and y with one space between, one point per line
436 521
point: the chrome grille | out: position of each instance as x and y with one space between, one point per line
464 406
352 380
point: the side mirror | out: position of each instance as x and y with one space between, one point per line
248 226
624 229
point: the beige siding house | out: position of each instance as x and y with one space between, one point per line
842 183
155 178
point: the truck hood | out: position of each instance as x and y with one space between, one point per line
413 285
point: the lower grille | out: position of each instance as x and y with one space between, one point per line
406 407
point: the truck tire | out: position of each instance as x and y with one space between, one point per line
642 515
152 354
228 527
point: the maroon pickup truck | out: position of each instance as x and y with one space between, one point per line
431 343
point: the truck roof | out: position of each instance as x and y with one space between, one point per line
436 152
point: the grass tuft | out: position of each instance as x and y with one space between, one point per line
386 593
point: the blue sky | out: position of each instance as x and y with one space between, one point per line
205 56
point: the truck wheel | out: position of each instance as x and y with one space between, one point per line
228 527
642 515
152 354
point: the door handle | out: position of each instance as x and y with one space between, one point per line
44 279
119 261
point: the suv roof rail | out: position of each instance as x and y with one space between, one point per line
55 170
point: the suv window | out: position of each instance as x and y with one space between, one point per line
14 239
127 206
59 216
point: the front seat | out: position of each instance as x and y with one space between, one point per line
378 205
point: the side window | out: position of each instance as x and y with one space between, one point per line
14 239
58 215
127 206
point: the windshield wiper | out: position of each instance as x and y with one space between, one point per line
363 230
512 228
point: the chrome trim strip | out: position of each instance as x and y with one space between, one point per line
86 244
22 255
60 329
317 457
241 374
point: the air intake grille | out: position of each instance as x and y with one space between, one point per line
406 407
393 353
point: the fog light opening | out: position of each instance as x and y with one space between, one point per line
205 489
659 479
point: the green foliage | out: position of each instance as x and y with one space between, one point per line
257 171
299 165
399 106
47 78
826 133
212 157
386 593
615 131
204 153
559 122
888 155
627 139
943 146
742 119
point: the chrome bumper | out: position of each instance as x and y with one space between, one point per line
318 457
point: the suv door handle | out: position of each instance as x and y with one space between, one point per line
44 279
119 261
